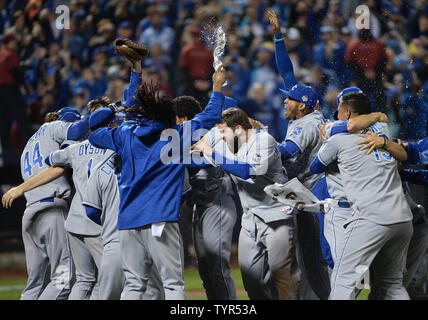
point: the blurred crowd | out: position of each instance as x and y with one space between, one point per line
54 67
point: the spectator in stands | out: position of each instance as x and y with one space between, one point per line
12 102
367 58
196 66
157 33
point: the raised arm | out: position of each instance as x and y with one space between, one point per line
44 177
130 91
353 125
365 120
283 61
78 130
232 166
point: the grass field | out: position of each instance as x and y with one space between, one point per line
11 288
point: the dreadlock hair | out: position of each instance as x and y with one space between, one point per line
51 116
152 106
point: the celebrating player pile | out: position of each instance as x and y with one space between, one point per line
118 236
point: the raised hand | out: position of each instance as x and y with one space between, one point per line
372 141
274 21
219 78
203 147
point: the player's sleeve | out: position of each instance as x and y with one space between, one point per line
417 152
93 214
78 130
229 102
233 166
212 136
129 95
108 138
415 176
283 62
210 116
58 130
288 149
335 127
303 136
92 198
59 158
326 155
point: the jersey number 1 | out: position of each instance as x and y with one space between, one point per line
37 159
89 168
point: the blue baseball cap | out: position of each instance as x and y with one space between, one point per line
65 110
347 90
70 117
68 114
343 92
303 94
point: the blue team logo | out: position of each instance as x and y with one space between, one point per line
297 131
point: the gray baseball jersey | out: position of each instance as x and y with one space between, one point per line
368 178
305 133
264 278
209 179
102 193
47 139
262 153
82 157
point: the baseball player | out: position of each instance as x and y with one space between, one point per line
101 201
376 236
150 188
49 264
418 242
266 247
214 219
299 147
84 234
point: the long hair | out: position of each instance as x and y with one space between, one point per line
153 107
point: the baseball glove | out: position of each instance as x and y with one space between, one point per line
130 50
